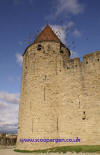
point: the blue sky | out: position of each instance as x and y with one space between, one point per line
76 22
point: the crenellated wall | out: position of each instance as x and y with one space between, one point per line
90 59
60 97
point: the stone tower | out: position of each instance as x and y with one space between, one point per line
60 97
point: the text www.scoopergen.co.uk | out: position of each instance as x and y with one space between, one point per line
57 140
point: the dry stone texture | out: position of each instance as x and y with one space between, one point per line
60 97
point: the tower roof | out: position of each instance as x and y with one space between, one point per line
47 34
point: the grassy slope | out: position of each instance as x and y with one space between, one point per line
80 148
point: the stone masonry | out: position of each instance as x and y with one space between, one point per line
60 97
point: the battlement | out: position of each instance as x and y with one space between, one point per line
91 58
71 63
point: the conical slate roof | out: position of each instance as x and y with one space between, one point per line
47 34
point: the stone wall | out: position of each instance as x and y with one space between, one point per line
60 97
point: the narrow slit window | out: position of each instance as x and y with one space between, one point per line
84 116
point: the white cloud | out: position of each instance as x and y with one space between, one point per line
9 98
68 6
70 24
19 58
62 31
8 112
77 33
3 105
74 54
9 117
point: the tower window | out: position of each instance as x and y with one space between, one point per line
61 51
39 47
86 62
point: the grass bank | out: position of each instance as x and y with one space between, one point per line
64 149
